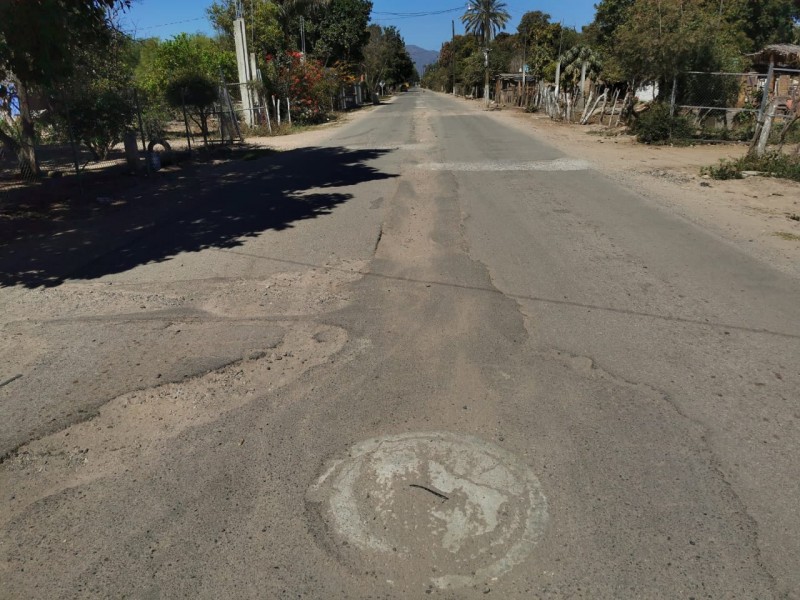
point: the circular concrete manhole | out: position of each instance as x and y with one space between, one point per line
434 509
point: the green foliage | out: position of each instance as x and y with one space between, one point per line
485 18
540 39
41 44
657 126
773 164
575 60
386 58
303 81
262 21
343 32
193 90
197 93
40 38
648 40
764 22
724 170
100 117
176 58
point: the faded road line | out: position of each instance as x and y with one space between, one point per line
558 164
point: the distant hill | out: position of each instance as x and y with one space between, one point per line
421 57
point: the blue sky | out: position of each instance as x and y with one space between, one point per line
160 18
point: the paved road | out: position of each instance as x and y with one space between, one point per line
432 358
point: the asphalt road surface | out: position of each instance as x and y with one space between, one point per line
432 357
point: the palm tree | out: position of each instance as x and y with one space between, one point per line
485 18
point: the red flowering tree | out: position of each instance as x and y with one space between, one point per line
302 81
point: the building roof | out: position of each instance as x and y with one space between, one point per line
781 54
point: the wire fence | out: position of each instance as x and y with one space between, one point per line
728 106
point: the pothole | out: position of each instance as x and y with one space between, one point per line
433 509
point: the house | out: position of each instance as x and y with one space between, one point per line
778 71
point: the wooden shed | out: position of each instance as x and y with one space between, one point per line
779 69
508 89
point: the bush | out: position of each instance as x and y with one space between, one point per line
198 93
773 164
657 126
304 81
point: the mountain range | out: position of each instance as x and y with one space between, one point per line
421 57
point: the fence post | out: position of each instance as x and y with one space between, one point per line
673 95
766 129
762 109
141 130
186 120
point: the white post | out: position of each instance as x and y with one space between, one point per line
243 67
289 111
558 77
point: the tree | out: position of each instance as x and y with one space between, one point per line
540 40
763 22
386 58
195 92
94 106
579 62
262 22
659 40
163 62
343 32
39 43
484 18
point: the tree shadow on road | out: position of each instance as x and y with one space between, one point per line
203 206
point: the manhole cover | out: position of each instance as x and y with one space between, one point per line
436 509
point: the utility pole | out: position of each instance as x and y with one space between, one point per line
453 55
487 38
524 52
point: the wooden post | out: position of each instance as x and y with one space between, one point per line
613 109
672 96
603 108
587 104
762 109
766 129
558 77
588 114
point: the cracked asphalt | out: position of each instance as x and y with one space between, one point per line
189 375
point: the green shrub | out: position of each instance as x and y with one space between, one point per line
724 170
773 164
657 126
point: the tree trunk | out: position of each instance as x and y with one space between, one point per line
584 66
25 149
558 77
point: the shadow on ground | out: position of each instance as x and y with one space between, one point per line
203 206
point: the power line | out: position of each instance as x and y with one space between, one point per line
173 23
415 15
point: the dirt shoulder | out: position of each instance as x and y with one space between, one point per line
753 214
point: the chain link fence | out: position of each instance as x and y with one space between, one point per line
728 106
136 134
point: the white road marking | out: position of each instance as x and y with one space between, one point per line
558 164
